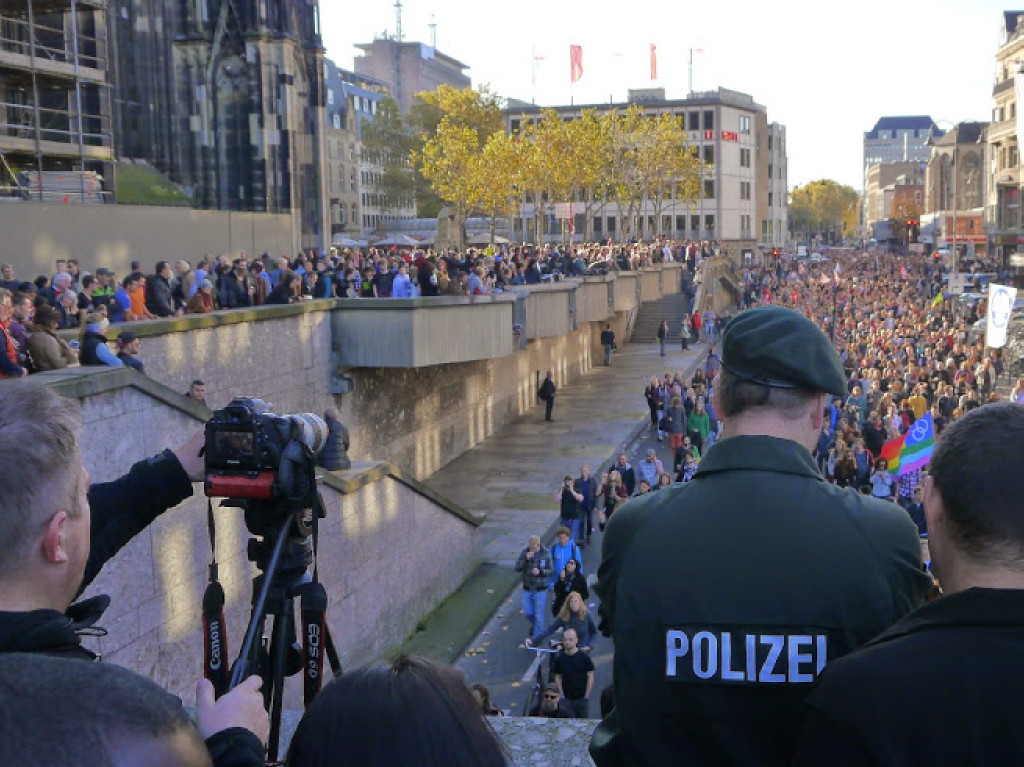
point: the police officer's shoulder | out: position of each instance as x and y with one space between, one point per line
879 521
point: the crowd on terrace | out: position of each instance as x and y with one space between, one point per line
75 299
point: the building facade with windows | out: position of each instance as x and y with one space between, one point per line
731 135
352 101
56 138
775 223
1006 235
408 68
955 189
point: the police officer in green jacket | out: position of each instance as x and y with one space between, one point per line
728 595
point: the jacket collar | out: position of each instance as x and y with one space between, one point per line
990 608
758 453
50 631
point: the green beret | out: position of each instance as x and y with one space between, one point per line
781 348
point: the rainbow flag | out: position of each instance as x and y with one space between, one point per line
918 445
891 453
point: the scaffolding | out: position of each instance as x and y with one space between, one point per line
55 102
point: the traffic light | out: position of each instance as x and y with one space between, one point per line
775 253
936 256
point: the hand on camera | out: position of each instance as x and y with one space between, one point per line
240 707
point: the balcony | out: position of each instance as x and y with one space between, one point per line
1002 87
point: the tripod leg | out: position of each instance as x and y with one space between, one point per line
332 652
280 639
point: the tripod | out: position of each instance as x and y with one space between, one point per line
283 554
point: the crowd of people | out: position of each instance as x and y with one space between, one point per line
874 346
89 302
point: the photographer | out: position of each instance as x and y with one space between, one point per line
46 524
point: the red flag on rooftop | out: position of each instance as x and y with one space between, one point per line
654 61
575 63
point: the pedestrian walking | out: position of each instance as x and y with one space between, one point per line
574 674
653 395
534 563
569 507
547 393
608 342
684 332
662 335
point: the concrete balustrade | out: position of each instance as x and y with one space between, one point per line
419 332
650 284
548 309
626 291
671 275
594 298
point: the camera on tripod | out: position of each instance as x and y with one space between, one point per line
266 464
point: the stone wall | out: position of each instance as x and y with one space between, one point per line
416 418
35 234
378 553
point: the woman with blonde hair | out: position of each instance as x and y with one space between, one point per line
573 615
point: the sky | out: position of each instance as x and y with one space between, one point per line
826 71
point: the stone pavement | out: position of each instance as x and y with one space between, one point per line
512 477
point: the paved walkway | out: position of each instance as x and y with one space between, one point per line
513 475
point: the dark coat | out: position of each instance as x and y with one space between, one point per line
547 389
334 454
563 586
158 296
121 510
941 686
87 353
841 568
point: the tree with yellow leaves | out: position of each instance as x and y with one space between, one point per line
823 209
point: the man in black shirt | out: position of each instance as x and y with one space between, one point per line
608 342
941 685
574 674
128 345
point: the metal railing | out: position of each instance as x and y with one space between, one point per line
18 121
16 36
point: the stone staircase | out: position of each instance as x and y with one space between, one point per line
650 315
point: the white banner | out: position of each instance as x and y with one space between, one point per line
956 283
1000 307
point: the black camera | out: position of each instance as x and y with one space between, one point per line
254 454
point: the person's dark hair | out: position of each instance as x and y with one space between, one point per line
976 470
65 712
413 713
131 279
737 396
46 316
199 382
160 266
41 281
88 280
